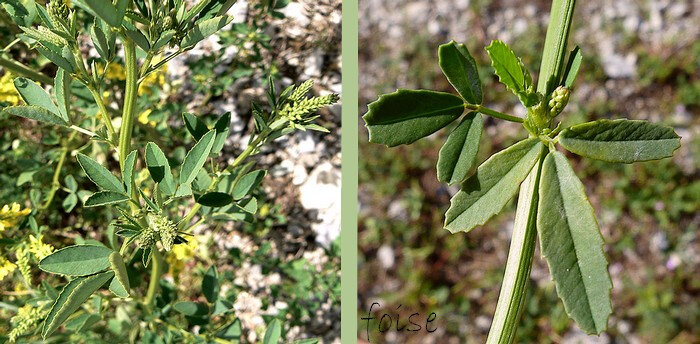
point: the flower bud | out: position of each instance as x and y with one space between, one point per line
58 10
558 101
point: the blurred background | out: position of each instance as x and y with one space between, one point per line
641 61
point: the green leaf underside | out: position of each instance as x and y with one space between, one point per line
205 29
495 182
56 58
128 171
105 198
572 245
405 116
120 283
231 331
620 140
36 113
73 295
459 151
78 260
506 66
34 95
460 69
247 183
106 11
99 175
273 332
196 157
159 168
215 199
62 92
191 308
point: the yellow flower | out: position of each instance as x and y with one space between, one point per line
6 268
155 79
10 215
114 71
8 93
38 248
143 118
25 320
181 253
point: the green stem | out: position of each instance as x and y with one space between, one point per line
156 272
130 94
104 115
560 19
20 69
519 264
494 113
55 181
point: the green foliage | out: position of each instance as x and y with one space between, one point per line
568 230
152 183
459 152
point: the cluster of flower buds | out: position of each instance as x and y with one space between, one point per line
160 229
25 320
558 100
58 12
296 110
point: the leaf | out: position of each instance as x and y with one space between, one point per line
36 113
222 127
62 93
106 11
620 140
210 284
82 322
249 205
56 58
230 331
554 45
221 307
194 125
215 199
73 295
34 95
105 198
120 283
196 157
190 308
460 69
139 39
22 12
69 202
159 168
572 245
459 151
247 183
77 260
128 171
99 40
405 116
164 39
204 29
495 182
506 66
273 332
572 67
99 175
